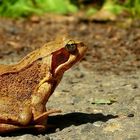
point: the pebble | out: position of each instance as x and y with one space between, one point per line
97 124
130 115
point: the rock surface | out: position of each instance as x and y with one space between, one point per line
109 72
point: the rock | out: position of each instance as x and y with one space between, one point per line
112 127
87 128
28 137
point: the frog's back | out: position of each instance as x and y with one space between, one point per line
16 89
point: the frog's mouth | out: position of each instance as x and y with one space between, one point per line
63 59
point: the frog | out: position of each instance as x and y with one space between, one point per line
26 86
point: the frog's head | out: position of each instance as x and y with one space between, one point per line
67 54
59 55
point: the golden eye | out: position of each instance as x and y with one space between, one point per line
71 47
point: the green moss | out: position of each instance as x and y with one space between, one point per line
23 8
20 8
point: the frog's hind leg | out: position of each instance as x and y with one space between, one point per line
44 115
6 128
37 126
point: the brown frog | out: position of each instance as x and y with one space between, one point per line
25 87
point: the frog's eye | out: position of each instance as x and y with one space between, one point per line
71 47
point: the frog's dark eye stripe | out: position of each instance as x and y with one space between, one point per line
59 57
71 47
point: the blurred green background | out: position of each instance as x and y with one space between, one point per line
24 8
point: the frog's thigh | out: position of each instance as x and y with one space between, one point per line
21 113
40 98
5 128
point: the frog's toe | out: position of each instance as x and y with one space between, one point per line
44 116
4 128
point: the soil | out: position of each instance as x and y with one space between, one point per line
100 96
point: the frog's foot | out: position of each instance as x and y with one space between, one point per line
6 128
43 116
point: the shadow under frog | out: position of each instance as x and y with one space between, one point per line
66 120
77 119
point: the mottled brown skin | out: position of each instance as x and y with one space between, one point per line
16 90
26 86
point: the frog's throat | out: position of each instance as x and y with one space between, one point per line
65 66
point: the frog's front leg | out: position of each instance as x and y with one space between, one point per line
39 100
